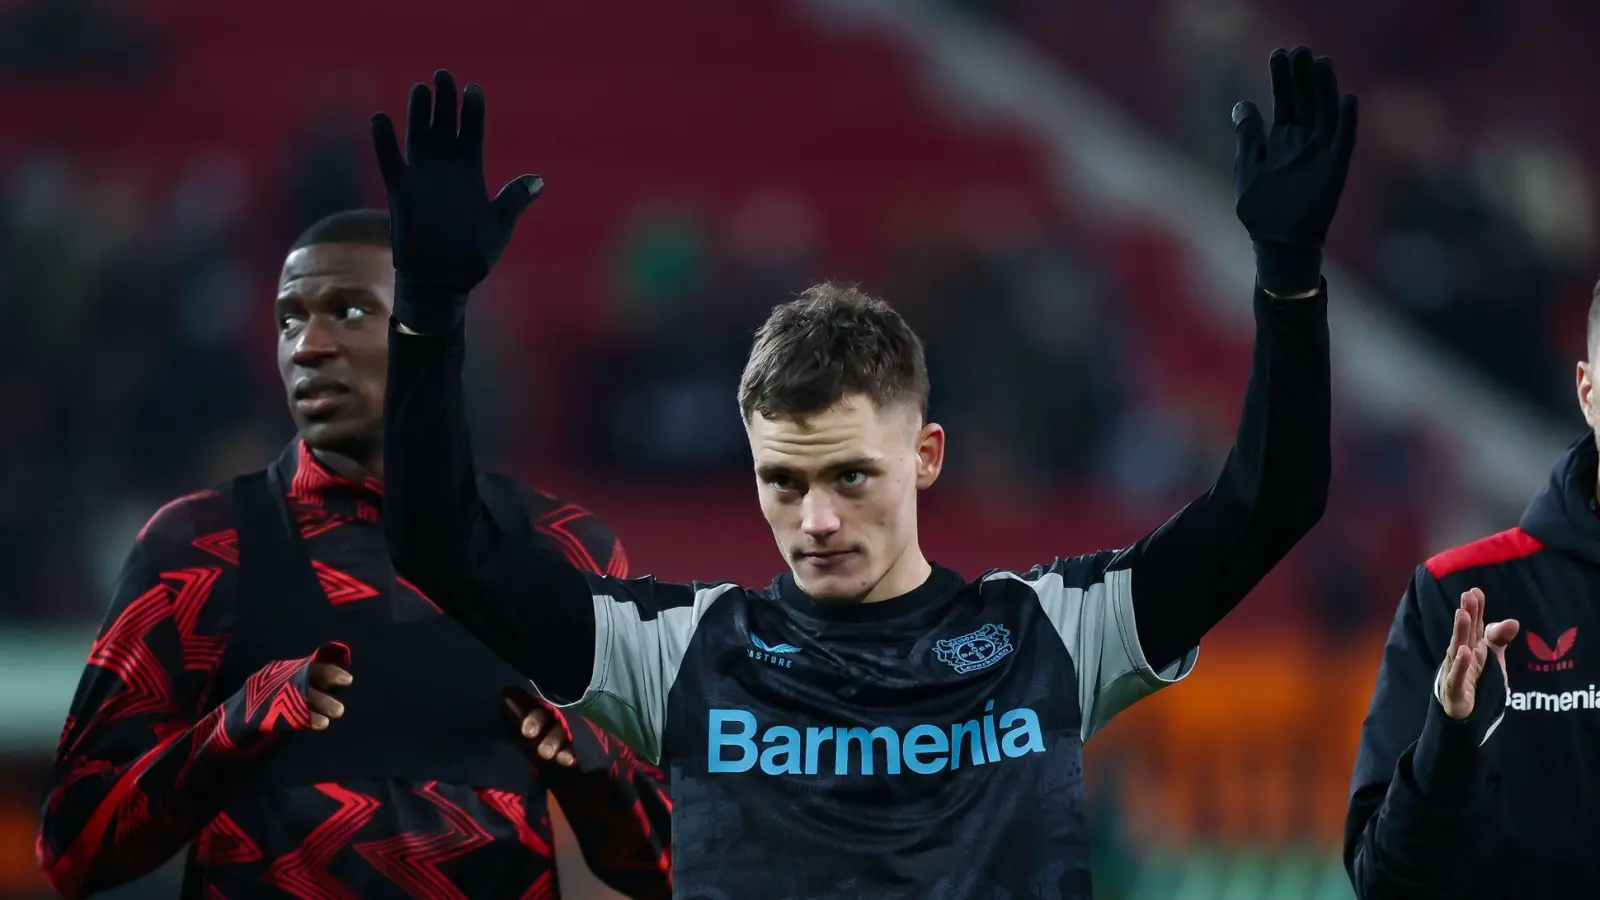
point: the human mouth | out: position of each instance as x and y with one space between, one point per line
316 396
829 559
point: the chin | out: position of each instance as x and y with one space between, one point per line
831 588
325 434
344 437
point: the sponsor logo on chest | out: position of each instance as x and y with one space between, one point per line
737 742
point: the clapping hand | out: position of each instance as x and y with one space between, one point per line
1471 644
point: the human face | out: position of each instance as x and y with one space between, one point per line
839 489
332 313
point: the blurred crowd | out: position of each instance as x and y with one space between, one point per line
139 355
1071 362
1471 205
139 358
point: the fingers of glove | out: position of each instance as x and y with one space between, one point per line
1282 87
444 108
1303 74
1344 136
472 114
390 162
1250 133
1327 100
323 708
418 112
513 199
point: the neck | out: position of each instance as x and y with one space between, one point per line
350 467
903 577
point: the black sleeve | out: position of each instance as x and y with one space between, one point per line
1415 825
1193 570
519 596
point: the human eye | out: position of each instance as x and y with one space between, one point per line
780 481
855 478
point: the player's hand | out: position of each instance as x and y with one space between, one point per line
541 727
1287 181
291 694
445 230
321 682
1472 643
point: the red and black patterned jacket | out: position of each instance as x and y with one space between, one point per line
150 760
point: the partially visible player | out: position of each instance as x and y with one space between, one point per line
266 689
1477 775
870 724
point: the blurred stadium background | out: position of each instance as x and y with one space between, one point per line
1054 171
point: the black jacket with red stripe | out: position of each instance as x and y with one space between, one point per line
1505 804
190 725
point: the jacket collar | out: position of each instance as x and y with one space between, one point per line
313 483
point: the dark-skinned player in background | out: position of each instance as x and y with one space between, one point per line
266 690
871 724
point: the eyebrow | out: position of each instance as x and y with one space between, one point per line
858 463
343 293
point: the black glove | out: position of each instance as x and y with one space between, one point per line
1287 181
446 232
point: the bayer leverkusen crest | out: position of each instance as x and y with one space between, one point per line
977 650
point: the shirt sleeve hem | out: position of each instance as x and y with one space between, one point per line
598 681
1120 583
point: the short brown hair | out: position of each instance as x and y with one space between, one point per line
831 341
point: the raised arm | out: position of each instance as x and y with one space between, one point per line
1188 574
1192 571
522 600
609 645
146 759
1132 619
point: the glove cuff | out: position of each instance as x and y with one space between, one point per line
1282 269
428 310
273 700
1448 761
